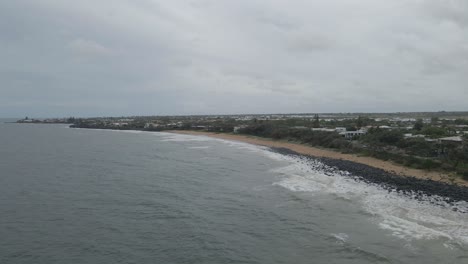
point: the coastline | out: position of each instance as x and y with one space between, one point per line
309 151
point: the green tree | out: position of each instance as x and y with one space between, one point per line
359 122
460 121
418 125
316 122
434 132
388 137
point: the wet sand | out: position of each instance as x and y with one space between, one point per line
325 153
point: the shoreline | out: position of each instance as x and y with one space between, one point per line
298 149
416 188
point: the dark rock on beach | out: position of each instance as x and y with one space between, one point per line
415 187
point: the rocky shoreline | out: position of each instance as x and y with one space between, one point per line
415 187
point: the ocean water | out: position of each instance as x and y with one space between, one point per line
99 196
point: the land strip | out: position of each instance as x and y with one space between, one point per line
325 153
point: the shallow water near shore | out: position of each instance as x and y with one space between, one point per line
97 196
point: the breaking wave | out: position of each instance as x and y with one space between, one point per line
401 215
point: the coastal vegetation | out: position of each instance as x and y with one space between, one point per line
429 141
383 144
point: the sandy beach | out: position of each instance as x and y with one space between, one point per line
318 152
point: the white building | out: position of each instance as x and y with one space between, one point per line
456 139
385 127
151 125
340 129
410 135
237 128
323 129
353 134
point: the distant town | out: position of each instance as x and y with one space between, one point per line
423 140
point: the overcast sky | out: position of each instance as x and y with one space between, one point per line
149 57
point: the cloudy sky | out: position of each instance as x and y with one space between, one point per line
150 57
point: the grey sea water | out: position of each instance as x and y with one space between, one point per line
96 196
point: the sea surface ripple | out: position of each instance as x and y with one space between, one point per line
97 196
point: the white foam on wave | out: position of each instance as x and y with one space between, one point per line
199 147
341 238
117 130
402 216
172 137
265 151
245 146
409 219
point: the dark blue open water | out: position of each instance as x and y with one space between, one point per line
92 196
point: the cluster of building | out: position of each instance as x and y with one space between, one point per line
27 120
331 123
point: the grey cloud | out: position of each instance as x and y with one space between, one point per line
309 43
451 10
278 22
87 47
180 57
